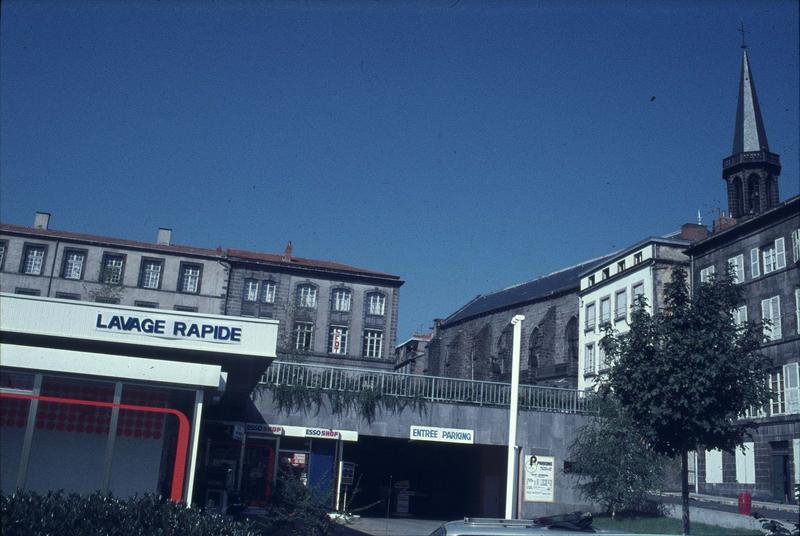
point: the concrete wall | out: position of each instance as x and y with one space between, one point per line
547 434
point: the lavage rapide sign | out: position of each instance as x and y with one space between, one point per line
168 328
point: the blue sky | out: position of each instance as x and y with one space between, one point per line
465 146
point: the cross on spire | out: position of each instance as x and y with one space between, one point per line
742 31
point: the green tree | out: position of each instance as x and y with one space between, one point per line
616 465
686 374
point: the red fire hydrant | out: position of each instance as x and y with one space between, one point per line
744 503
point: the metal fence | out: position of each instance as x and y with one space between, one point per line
429 388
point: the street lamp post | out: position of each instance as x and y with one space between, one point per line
512 417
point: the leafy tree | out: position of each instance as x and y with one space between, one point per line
617 467
685 374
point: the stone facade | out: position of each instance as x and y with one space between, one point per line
479 346
312 299
43 262
766 250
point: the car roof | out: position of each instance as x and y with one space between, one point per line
499 527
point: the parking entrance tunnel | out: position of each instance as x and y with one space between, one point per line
428 479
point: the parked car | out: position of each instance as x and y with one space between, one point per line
562 525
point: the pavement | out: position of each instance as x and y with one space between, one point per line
379 526
717 506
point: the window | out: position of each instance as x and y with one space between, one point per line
606 273
250 290
73 264
638 290
602 358
621 302
621 266
590 281
268 289
33 260
605 311
774 256
778 400
588 361
736 265
376 303
637 258
771 316
190 278
306 296
151 273
745 464
373 343
795 245
303 335
147 304
68 296
111 273
755 263
2 253
341 300
27 291
714 466
591 317
797 308
106 299
706 274
185 308
740 315
791 386
337 340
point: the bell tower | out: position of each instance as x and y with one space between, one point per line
751 171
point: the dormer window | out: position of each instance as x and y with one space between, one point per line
637 258
621 266
606 273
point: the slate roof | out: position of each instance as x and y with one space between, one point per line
543 287
749 133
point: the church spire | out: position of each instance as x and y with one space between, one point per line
751 171
749 134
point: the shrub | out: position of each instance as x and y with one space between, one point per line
296 510
31 514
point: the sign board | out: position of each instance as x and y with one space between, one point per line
442 435
301 431
539 478
34 315
348 473
237 432
337 336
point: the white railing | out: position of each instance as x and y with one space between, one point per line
429 388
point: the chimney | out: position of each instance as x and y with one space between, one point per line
42 220
694 232
287 253
164 236
723 222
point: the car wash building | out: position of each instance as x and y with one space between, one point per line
107 397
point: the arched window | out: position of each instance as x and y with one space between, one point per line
534 348
753 200
738 197
306 296
571 336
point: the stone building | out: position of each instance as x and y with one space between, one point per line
328 312
760 242
475 342
39 261
410 356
